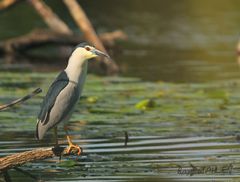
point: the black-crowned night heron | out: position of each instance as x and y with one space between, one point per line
64 93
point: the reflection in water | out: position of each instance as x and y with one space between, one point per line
238 52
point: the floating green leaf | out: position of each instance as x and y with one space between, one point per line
145 104
92 99
67 163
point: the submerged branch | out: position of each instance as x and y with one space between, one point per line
5 106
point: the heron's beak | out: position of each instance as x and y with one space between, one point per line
100 53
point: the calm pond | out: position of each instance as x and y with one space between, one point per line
182 120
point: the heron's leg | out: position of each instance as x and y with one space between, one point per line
70 144
56 135
57 150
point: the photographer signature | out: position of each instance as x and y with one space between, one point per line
209 169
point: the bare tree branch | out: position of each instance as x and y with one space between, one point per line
83 23
4 4
89 33
50 18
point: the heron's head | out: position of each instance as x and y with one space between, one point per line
85 52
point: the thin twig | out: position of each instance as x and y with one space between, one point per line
126 138
20 100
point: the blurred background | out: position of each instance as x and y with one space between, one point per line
175 41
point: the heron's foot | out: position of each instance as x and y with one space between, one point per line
72 146
57 150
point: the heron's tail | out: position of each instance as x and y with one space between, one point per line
36 133
40 130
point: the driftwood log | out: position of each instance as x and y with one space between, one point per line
19 159
39 38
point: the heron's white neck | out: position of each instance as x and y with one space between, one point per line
77 68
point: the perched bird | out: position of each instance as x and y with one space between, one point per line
64 92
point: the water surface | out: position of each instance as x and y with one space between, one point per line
173 134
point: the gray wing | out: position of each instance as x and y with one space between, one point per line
43 118
57 86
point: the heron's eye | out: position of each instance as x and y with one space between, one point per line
87 48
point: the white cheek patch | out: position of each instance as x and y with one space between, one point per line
85 54
81 52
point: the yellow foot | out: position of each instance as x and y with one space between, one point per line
72 146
